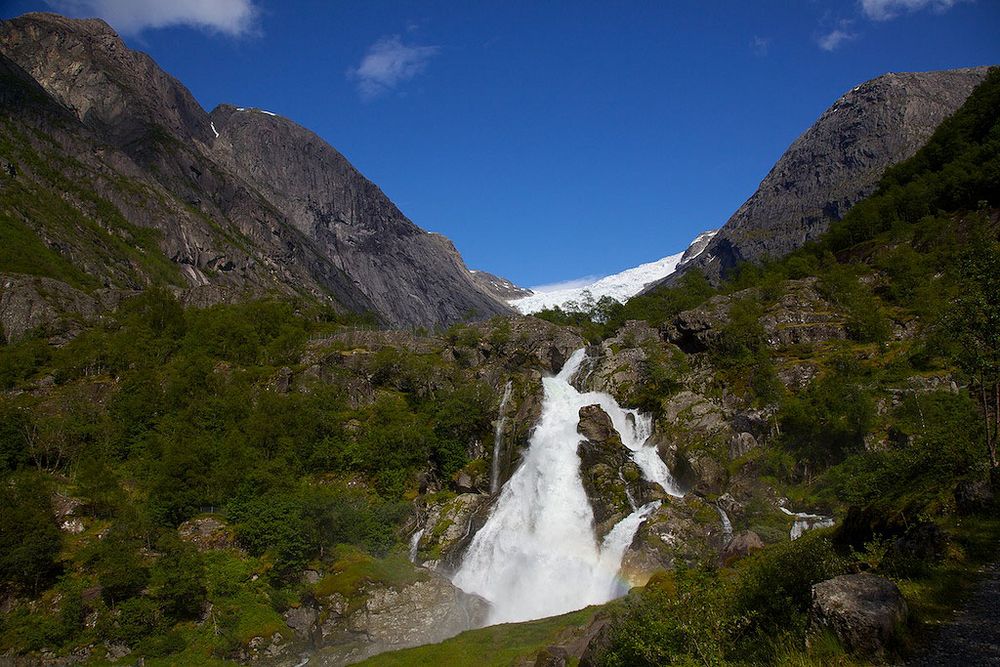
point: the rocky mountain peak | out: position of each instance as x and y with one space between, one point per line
85 65
837 162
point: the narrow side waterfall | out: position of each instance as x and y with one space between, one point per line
805 521
415 544
537 554
727 525
498 438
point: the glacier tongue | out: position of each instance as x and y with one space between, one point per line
619 286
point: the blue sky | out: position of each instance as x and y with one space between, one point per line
550 140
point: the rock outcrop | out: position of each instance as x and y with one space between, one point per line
865 612
383 617
836 163
610 478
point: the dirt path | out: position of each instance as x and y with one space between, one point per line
972 636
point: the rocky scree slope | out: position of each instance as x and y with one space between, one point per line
836 163
243 200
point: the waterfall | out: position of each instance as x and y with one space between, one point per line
805 521
537 554
498 438
415 544
727 525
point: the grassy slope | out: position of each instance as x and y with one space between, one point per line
493 646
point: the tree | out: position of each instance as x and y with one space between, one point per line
178 578
29 536
975 323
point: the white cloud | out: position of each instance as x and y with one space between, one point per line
130 17
883 10
831 40
387 64
760 45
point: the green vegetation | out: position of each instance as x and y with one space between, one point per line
494 646
158 415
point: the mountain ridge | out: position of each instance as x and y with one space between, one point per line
221 222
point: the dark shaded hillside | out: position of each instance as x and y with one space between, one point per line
147 155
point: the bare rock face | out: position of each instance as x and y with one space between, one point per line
836 163
863 611
412 276
207 533
802 316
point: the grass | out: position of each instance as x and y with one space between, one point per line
493 646
353 569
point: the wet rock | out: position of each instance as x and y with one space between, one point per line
865 612
741 545
448 528
681 531
610 477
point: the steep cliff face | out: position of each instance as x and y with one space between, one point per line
243 200
836 163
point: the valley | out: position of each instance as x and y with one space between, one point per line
251 413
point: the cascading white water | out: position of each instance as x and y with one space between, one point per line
498 438
805 521
537 554
727 525
415 544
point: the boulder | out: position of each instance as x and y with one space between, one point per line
552 656
972 496
740 444
741 545
865 612
302 620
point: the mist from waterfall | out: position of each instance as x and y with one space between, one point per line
537 555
